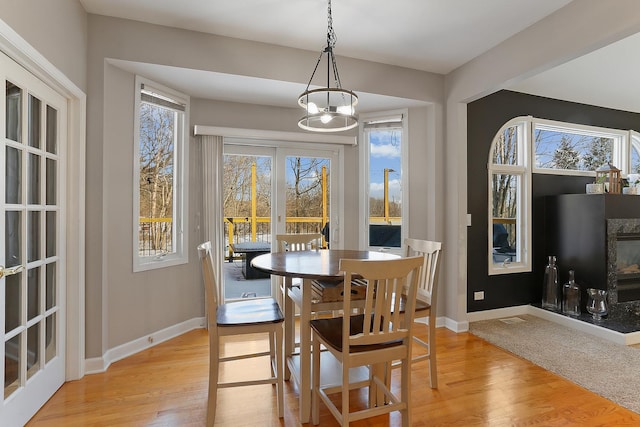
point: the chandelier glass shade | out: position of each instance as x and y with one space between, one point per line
328 109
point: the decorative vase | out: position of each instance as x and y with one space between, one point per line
597 303
551 293
571 296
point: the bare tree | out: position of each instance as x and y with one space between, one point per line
157 135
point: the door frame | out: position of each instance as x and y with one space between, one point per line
16 48
279 151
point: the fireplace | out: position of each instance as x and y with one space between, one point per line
598 236
623 261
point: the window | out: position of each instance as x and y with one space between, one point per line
634 158
509 207
556 148
384 165
160 162
565 148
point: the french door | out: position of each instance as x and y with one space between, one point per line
32 289
294 190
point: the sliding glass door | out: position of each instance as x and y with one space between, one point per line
270 190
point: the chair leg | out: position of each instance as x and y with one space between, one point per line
213 379
346 415
279 359
405 393
289 325
315 383
433 371
272 352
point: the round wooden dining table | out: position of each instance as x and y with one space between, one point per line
314 264
310 265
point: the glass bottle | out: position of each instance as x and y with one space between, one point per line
551 294
571 296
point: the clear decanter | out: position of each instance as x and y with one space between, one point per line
551 293
571 296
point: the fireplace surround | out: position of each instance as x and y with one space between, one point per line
598 236
623 262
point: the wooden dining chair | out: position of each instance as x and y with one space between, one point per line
239 318
294 243
427 297
287 286
374 338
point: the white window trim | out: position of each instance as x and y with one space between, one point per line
181 187
620 156
364 177
523 170
633 141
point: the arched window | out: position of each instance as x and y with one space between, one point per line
527 145
509 199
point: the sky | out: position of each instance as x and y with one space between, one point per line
385 153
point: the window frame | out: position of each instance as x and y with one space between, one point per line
634 141
523 216
365 155
180 254
623 143
620 151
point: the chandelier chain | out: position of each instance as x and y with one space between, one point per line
331 34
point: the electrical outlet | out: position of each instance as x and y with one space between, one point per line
478 296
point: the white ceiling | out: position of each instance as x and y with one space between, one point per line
430 35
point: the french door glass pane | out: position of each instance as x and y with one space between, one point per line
12 312
33 181
13 187
52 182
50 286
34 121
52 130
51 234
14 112
12 240
12 365
33 349
50 338
33 293
33 236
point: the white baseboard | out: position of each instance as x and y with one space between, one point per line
498 313
101 364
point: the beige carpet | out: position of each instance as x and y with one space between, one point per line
608 369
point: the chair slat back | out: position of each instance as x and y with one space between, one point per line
386 280
428 281
210 287
298 242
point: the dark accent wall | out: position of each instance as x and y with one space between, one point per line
484 118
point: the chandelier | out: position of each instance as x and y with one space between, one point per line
328 109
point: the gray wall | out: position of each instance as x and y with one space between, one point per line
122 305
56 28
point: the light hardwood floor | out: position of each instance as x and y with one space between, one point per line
479 385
